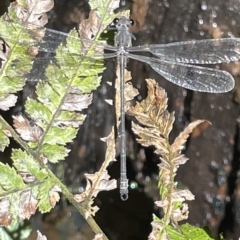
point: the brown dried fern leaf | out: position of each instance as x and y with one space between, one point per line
153 128
183 136
152 114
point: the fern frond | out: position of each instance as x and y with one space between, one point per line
153 128
54 117
99 181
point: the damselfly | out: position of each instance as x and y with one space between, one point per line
173 61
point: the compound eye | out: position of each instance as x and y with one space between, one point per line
115 21
131 22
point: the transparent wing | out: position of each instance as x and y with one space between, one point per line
208 51
47 40
192 77
41 63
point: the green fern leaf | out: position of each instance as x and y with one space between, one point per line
12 72
4 140
44 203
54 153
188 232
24 162
9 179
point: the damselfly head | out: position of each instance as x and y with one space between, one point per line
123 21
